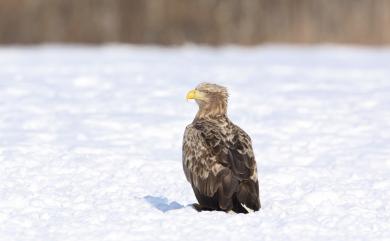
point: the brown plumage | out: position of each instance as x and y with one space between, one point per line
218 159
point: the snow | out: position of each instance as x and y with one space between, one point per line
90 141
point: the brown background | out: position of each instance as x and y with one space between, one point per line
213 22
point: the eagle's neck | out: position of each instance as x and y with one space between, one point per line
212 110
217 118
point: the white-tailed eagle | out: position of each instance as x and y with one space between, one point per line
218 158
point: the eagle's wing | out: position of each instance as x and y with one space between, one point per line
219 163
243 165
199 161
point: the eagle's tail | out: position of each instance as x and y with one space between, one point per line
237 206
248 194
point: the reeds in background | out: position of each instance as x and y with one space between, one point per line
214 22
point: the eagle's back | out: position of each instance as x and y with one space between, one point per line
219 163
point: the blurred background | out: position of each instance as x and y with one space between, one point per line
213 22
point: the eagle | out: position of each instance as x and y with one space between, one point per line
218 159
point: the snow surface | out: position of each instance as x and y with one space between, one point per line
90 142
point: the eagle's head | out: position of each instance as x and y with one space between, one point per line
211 98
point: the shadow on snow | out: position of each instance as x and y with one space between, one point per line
162 204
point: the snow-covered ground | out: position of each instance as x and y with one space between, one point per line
90 142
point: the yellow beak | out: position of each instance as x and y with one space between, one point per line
194 94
